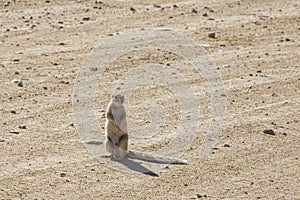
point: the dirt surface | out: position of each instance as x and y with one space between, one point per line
255 47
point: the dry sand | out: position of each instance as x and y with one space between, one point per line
255 49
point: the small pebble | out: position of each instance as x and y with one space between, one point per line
18 81
22 126
200 195
16 60
132 9
93 69
86 18
64 82
269 132
3 139
212 35
14 132
226 66
194 10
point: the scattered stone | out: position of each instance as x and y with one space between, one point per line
194 10
16 60
259 71
284 133
156 6
274 94
22 127
14 132
212 35
5 139
287 39
56 27
13 112
61 44
269 132
175 6
86 18
226 145
205 15
64 82
93 69
18 81
63 174
102 110
93 142
200 195
226 66
132 9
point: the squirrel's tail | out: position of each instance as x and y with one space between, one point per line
154 158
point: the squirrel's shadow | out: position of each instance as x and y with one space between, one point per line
134 166
126 162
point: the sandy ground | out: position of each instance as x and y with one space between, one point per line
256 52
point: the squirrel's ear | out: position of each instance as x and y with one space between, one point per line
123 98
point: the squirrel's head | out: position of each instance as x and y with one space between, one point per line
118 98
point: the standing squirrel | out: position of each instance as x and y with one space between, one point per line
116 141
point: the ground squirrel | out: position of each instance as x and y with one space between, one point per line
116 141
